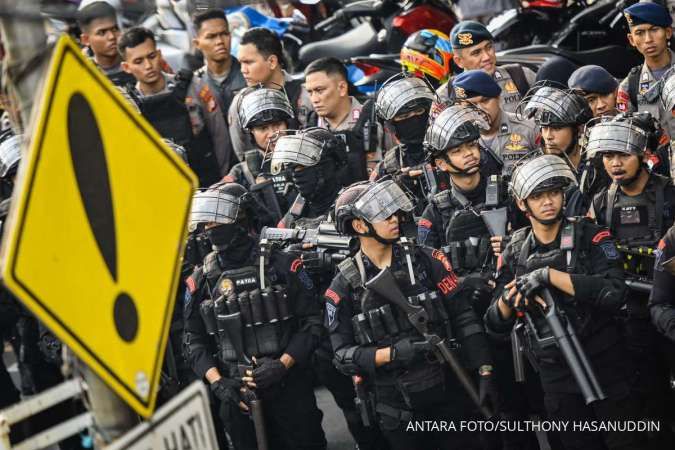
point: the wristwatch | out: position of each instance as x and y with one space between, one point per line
484 370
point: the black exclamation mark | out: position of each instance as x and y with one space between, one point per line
91 172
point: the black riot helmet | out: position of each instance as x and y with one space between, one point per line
260 105
315 157
550 105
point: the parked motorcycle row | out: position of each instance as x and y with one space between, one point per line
368 34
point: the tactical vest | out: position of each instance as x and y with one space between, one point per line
467 237
265 313
168 113
637 224
121 78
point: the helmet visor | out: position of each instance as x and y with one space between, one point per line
381 201
616 137
296 149
213 206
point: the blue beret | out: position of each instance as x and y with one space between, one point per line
651 13
473 83
593 79
468 33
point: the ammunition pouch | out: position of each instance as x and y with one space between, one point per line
468 255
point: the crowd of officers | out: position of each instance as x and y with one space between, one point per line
476 248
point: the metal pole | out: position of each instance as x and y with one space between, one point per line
24 67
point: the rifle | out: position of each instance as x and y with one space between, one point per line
385 285
565 338
232 325
329 245
363 401
269 198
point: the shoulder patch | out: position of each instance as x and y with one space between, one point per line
447 284
609 249
600 235
296 264
439 255
191 285
332 296
331 313
207 97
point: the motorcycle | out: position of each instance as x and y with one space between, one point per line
375 26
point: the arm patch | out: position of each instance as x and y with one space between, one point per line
332 296
439 255
600 235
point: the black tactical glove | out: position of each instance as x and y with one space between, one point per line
268 372
403 352
488 392
226 390
479 284
531 283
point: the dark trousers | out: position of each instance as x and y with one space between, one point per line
444 403
292 419
341 388
620 405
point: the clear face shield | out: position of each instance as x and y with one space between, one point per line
299 148
10 154
549 105
536 171
615 137
396 93
381 201
447 128
213 205
261 101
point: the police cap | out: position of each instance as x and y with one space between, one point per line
593 79
473 83
468 33
651 13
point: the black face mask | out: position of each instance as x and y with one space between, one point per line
411 131
316 182
226 236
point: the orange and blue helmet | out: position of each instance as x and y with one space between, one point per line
428 53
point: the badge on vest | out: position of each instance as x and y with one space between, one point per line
629 215
644 87
504 128
515 143
511 87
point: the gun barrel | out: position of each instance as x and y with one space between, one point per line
517 350
639 286
574 355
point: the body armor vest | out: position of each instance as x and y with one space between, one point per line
265 314
168 113
467 237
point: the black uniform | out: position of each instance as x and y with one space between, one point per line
662 300
424 390
587 252
638 222
292 418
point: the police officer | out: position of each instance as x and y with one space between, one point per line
637 208
579 265
404 103
661 301
561 115
262 62
315 159
598 87
474 49
507 137
99 33
180 107
650 32
221 71
458 221
277 309
265 114
372 337
334 109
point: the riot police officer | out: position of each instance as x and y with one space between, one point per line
315 158
507 137
373 338
468 222
661 301
637 208
650 27
561 115
265 300
404 103
264 114
180 107
577 263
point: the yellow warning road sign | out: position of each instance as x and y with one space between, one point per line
98 226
